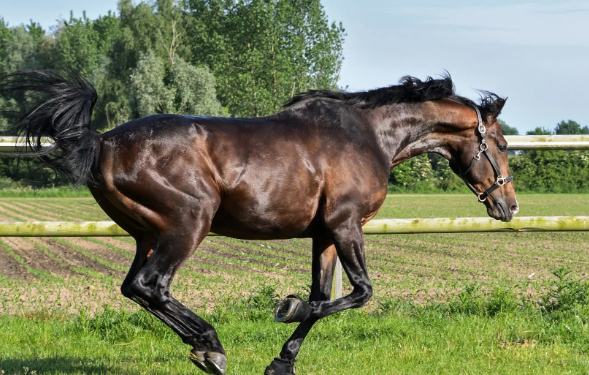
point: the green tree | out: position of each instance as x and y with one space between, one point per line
264 51
195 92
4 35
148 87
570 127
37 33
412 173
506 129
190 90
19 50
78 45
539 131
551 171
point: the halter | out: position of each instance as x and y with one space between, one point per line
484 149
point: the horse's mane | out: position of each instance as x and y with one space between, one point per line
409 90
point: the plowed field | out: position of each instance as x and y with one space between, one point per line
86 273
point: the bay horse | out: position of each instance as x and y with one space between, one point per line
317 169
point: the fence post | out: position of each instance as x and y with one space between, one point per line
336 286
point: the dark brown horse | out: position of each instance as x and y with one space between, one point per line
317 169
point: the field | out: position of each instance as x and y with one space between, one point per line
432 311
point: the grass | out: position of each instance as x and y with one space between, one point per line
56 192
501 303
471 334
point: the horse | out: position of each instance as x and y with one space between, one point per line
318 168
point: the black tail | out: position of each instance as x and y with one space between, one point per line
63 107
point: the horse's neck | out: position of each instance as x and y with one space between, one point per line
410 129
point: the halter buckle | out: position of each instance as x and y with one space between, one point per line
500 180
482 129
479 197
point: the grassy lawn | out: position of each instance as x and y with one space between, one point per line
472 335
445 304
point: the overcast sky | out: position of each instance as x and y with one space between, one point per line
535 52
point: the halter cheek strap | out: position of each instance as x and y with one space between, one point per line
484 149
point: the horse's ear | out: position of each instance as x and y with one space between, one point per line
493 109
497 107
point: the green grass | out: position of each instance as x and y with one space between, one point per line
471 334
498 303
56 192
466 205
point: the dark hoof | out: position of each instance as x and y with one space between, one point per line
292 309
216 362
281 366
210 362
198 358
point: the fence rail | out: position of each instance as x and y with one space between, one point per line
377 226
547 142
515 143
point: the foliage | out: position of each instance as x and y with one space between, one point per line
551 171
412 172
264 51
506 129
539 131
570 127
190 89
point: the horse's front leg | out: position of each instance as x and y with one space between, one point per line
349 244
324 257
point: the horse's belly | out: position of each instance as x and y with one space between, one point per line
280 219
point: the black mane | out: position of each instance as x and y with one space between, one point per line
409 90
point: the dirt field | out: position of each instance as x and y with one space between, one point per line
75 273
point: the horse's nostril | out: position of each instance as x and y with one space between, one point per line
514 209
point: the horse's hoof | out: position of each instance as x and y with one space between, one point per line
292 309
216 363
209 362
281 366
198 358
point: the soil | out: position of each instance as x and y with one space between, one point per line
74 258
36 258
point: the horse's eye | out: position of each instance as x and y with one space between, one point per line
502 148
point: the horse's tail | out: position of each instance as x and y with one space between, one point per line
61 111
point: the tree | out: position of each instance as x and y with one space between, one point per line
19 50
551 171
263 51
190 90
539 131
570 127
506 129
195 91
413 172
78 46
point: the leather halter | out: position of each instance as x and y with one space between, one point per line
484 149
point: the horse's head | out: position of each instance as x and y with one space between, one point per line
480 159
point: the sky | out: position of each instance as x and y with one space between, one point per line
534 52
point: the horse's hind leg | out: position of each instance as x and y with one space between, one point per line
324 258
148 284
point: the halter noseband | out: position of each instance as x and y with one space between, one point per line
484 149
